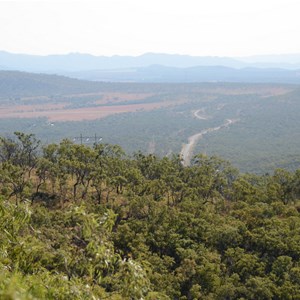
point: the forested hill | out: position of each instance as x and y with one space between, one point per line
13 83
81 222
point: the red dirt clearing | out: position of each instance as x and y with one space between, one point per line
79 114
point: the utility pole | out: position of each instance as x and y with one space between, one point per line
87 139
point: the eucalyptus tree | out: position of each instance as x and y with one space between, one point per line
281 186
77 161
211 176
109 170
21 151
14 181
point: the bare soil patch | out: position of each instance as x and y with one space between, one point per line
58 113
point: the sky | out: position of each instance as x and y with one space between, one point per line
133 27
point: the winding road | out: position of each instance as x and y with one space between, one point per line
187 149
199 114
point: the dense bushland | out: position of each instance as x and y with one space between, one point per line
92 223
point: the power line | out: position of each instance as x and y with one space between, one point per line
87 139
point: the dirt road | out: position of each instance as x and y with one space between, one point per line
199 114
187 149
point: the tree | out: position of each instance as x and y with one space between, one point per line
21 152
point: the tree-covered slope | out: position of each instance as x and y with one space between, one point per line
22 84
92 223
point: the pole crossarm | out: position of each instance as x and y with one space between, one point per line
87 139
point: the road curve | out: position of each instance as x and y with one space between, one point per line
187 149
199 114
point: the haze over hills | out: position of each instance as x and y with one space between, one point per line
159 73
153 67
22 84
81 62
286 61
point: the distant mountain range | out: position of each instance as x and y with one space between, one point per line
158 73
152 67
83 62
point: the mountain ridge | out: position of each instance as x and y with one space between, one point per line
67 82
159 73
72 62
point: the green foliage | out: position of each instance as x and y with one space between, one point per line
93 223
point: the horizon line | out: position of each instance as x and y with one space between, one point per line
149 53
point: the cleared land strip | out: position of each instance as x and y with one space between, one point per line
187 149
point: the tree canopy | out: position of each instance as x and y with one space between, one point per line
80 222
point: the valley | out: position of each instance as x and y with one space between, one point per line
149 150
165 119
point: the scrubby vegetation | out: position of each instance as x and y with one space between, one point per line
78 222
159 118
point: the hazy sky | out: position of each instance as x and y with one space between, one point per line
133 27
